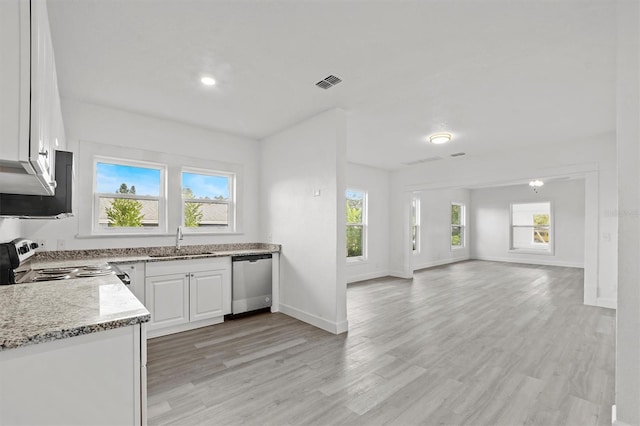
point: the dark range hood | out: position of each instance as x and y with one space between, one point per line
44 207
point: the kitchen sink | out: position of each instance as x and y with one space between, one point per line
208 253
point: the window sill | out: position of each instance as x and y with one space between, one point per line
351 261
453 248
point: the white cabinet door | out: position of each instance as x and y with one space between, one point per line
83 380
167 298
31 127
207 294
43 93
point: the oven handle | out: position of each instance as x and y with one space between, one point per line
125 278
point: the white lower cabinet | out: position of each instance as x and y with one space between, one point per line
91 379
167 299
186 294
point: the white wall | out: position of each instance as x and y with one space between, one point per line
9 229
628 142
435 228
125 134
593 160
303 184
376 183
490 222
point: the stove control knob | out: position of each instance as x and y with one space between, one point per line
34 246
23 249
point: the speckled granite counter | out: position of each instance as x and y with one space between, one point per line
55 259
50 310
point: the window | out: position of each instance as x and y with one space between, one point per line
356 224
129 197
457 225
415 225
531 226
207 200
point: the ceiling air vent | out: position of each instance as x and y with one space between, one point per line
423 160
328 82
458 154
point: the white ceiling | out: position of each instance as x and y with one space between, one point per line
498 74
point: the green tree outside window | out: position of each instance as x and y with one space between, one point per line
125 212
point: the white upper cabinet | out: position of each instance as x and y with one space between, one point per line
31 126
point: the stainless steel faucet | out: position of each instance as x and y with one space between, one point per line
179 237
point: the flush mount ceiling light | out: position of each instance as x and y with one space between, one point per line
440 138
208 81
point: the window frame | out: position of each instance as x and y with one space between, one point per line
462 225
231 203
415 223
363 223
550 249
99 229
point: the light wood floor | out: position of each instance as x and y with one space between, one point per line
475 343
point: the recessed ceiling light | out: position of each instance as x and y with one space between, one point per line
536 183
440 138
208 81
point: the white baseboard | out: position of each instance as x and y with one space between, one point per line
544 262
400 274
614 419
369 276
606 303
314 320
440 262
183 327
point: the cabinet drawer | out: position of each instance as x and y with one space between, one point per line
185 266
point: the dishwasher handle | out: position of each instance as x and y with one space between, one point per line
252 258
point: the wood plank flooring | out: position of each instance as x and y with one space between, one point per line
473 343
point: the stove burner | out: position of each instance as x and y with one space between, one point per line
94 273
98 267
57 271
51 277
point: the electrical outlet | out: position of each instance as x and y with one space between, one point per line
41 245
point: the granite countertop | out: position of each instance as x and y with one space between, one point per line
56 259
39 312
49 310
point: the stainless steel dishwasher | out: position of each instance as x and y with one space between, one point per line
251 283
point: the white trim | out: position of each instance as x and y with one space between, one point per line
614 418
183 327
367 276
543 262
431 264
314 320
401 274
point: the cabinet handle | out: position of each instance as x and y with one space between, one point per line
191 275
186 275
44 153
